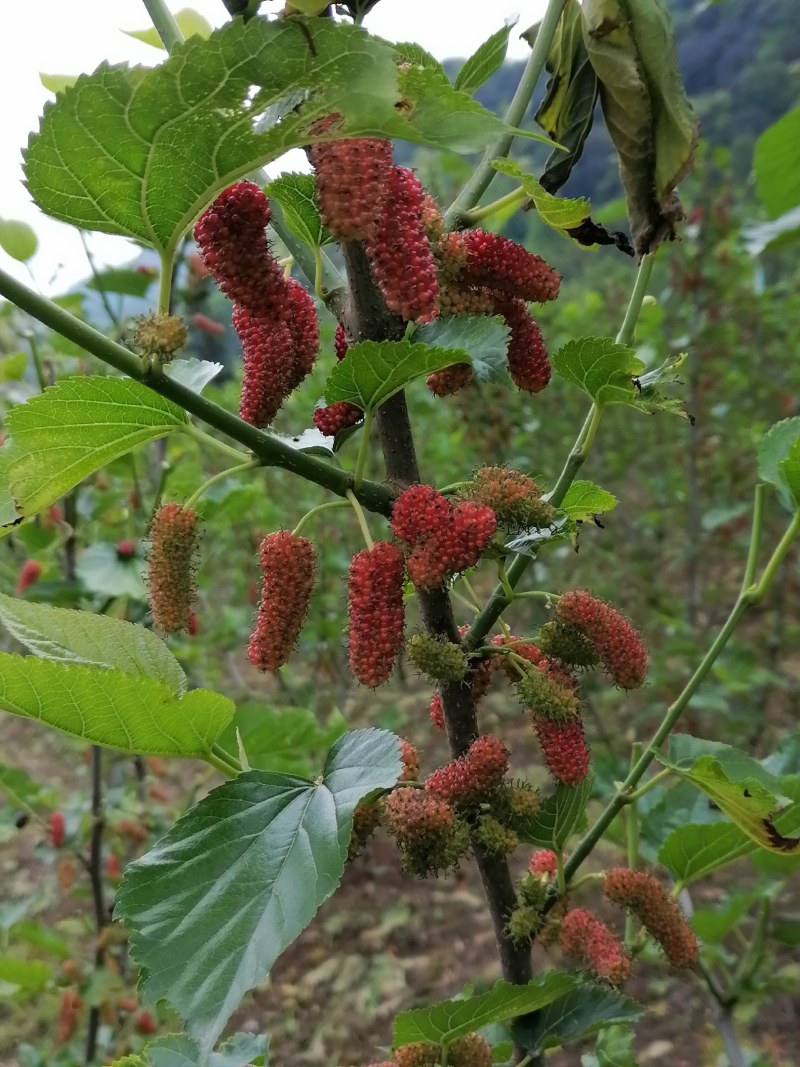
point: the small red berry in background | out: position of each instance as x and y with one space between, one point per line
29 573
58 829
145 1023
69 1011
206 325
126 549
113 866
193 624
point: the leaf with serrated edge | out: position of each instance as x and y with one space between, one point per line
113 709
140 152
773 448
600 367
296 195
585 499
72 636
179 1050
561 214
373 371
558 817
74 428
486 59
214 903
790 471
615 1047
583 1011
483 337
444 1022
696 849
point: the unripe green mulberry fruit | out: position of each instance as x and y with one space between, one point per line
439 659
549 699
523 923
495 837
567 643
514 497
428 833
174 542
532 890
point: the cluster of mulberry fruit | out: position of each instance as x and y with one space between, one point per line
443 539
617 645
274 317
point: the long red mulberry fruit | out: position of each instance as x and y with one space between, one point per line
376 612
352 182
528 363
420 511
29 574
450 380
399 250
174 541
660 915
563 746
58 829
503 265
455 547
305 331
589 940
233 244
287 567
618 645
330 419
268 354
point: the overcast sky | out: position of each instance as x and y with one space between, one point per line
58 37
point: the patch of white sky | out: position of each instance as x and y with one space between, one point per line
54 37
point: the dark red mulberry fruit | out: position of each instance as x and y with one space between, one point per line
332 418
352 182
376 612
506 267
618 645
563 746
660 915
287 568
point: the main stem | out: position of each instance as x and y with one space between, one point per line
369 319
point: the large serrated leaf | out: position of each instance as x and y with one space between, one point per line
602 368
631 47
776 162
695 850
581 1012
559 817
483 337
179 1050
76 427
373 371
774 449
486 59
72 636
559 213
140 152
739 786
212 906
110 708
567 111
444 1022
585 499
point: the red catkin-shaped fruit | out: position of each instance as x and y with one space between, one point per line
436 712
304 328
58 829
352 182
399 250
268 354
587 939
233 243
174 542
528 364
618 644
29 574
287 568
474 777
376 612
455 547
340 344
450 380
332 418
504 266
563 746
660 915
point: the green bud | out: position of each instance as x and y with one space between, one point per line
438 659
